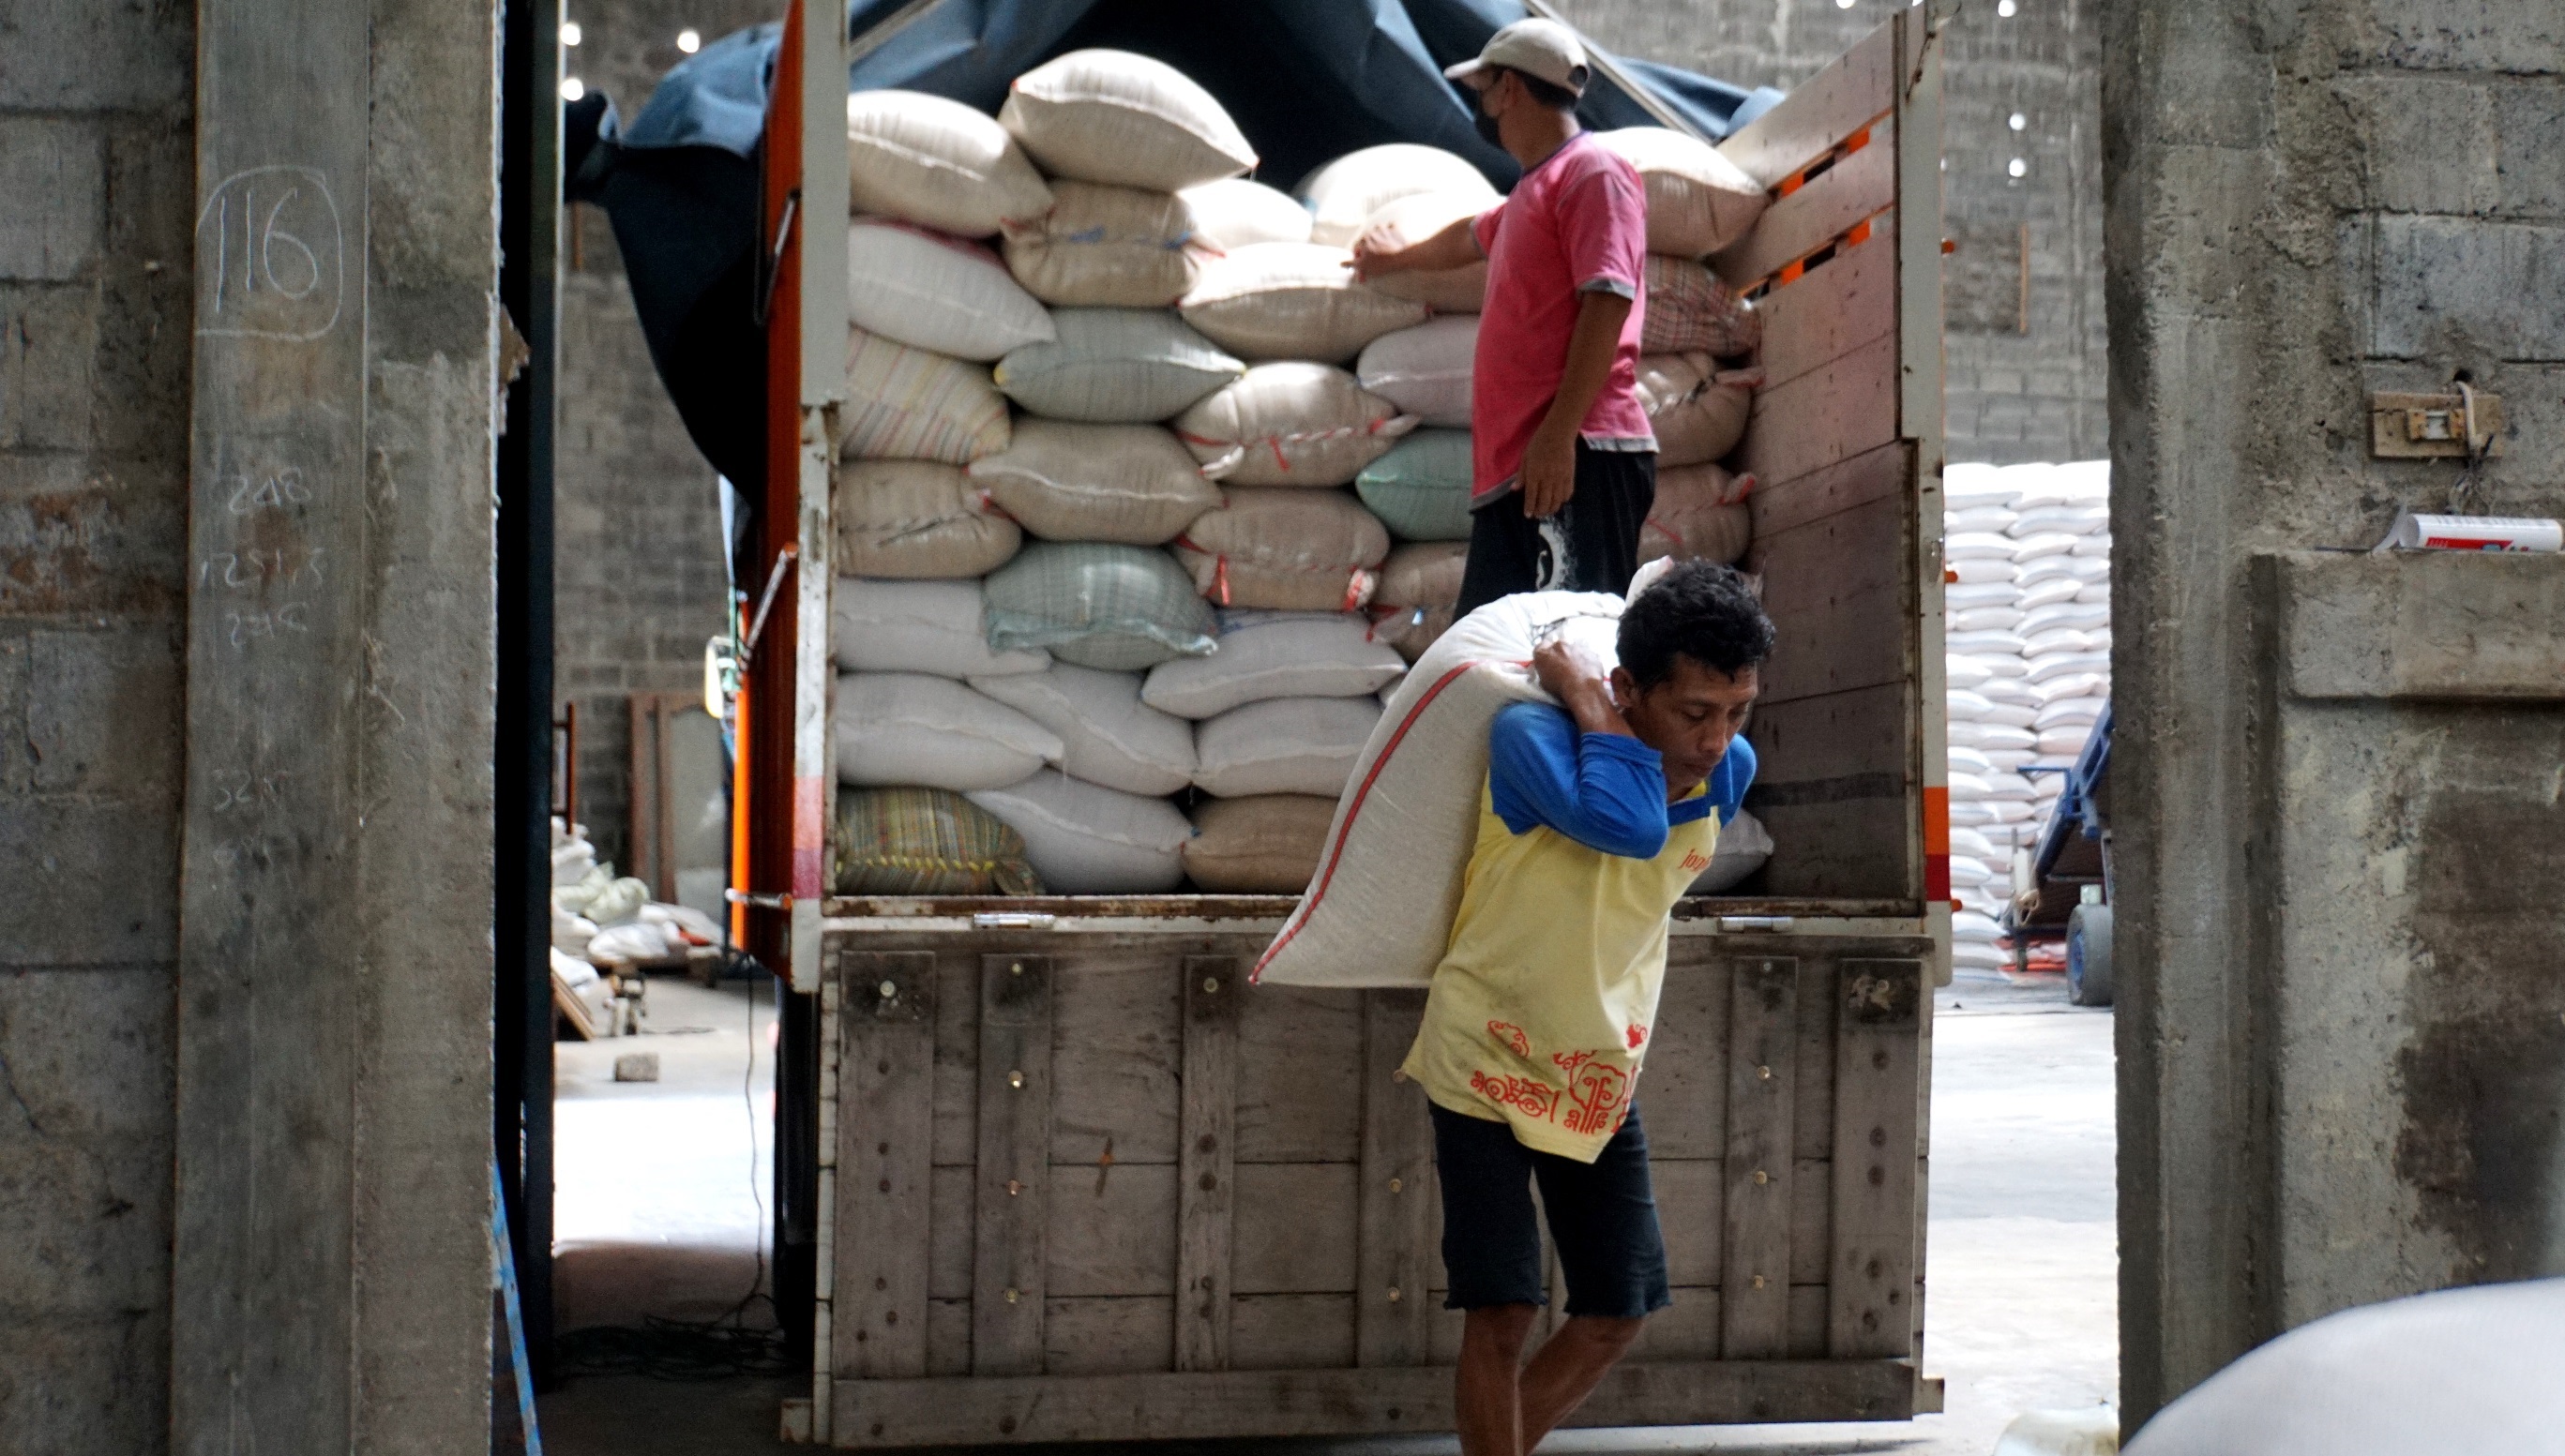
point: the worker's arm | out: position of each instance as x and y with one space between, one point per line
1550 459
1580 770
1377 253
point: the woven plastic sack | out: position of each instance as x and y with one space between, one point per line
1106 247
1698 200
1109 736
906 403
936 292
1425 371
1114 116
1290 424
916 519
926 841
1419 586
1264 845
1285 550
1133 483
1234 212
1412 220
909 728
1700 512
1283 655
928 627
1693 309
1120 608
1292 300
937 163
1420 490
1108 366
1087 839
1343 195
1698 412
1283 745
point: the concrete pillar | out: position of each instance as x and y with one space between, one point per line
2342 997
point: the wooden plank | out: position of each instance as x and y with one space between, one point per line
951 1242
1685 1084
1296 1229
1110 1230
1878 1041
1820 111
1008 1268
1873 475
1813 1218
1106 1336
957 1061
1687 1329
885 1165
1299 1076
1206 1185
1397 1194
1762 1038
1211 1406
1116 1042
1692 1203
1292 1332
1813 1116
1842 848
1918 97
1838 594
1838 745
1830 309
948 1337
1858 185
1831 413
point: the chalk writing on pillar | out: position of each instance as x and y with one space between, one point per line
271 255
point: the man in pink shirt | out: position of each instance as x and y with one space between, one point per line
1564 462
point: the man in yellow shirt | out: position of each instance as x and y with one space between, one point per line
1598 816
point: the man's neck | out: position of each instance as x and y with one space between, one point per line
1543 134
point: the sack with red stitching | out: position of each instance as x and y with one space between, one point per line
1379 910
1285 550
1290 424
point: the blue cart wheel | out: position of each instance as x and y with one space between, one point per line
2088 955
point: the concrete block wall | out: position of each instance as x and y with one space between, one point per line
96 158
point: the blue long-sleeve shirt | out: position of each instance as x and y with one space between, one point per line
1603 790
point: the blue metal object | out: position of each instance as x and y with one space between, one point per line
504 1275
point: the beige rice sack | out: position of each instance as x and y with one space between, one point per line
1292 300
1425 372
1133 483
1290 424
1264 845
1420 585
1698 412
1698 200
1700 512
906 403
1411 220
1285 550
912 520
1234 212
1690 308
938 163
1114 116
1378 911
1343 195
1105 246
1283 745
939 292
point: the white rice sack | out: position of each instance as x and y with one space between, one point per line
2094 591
2067 664
2085 482
1283 745
1971 485
2064 743
1965 671
1964 785
1984 619
1292 300
1972 812
1970 925
937 292
1342 195
937 163
906 403
1968 874
1425 371
915 520
2017 788
2009 692
1106 247
1979 572
1087 839
1958 596
2013 811
2056 640
1984 644
2049 592
1976 545
1234 213
2100 638
2071 685
1989 736
1700 514
1114 116
2030 548
1744 845
1290 424
1967 761
1107 734
2061 520
931 627
2065 614
933 732
1411 220
1285 550
2093 547
1331 656
1133 483
1970 844
1966 707
2008 714
2069 712
1698 200
1420 585
2001 664
2084 570
1977 518
1697 410
1970 956
1115 366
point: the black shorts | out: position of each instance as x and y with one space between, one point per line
1591 544
1603 1217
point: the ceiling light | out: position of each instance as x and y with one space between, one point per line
572 87
569 33
690 40
2016 167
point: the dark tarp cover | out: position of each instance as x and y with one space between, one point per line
1308 81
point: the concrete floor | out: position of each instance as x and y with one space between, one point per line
656 1214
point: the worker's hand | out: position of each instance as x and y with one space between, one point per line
1549 471
1377 252
1580 678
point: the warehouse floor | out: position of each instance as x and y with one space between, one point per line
656 1214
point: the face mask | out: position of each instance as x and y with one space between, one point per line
1489 129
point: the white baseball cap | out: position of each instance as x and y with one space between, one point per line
1535 46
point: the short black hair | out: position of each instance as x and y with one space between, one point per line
1700 610
1556 98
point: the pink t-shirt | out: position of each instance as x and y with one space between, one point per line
1576 223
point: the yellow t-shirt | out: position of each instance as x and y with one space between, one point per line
1539 1011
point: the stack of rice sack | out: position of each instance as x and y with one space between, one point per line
2028 633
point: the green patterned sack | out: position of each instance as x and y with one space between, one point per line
1420 490
1118 608
926 841
1115 366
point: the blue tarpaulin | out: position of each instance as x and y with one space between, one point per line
1306 81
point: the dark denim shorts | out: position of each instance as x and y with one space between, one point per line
1603 1217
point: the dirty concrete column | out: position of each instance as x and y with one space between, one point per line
2342 1007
